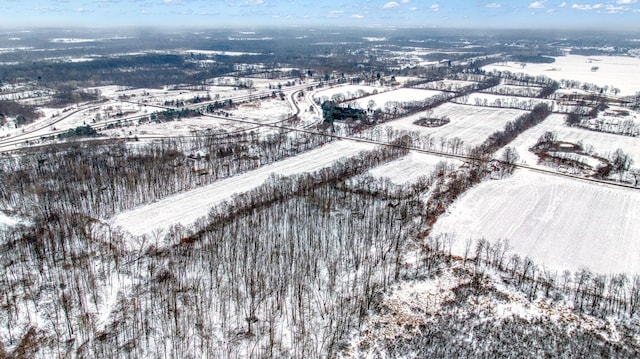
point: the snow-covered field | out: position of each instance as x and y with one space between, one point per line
185 208
348 91
600 143
621 72
408 169
270 110
617 119
486 99
469 123
160 96
182 127
399 95
265 112
560 223
528 91
446 85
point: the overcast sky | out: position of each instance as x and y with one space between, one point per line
611 14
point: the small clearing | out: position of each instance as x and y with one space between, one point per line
408 169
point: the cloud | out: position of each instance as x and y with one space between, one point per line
564 4
626 2
413 9
405 1
435 7
390 5
252 3
493 5
586 7
610 9
537 5
357 16
603 8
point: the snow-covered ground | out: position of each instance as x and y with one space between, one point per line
528 91
348 91
270 110
6 221
182 127
218 53
160 96
561 223
408 169
399 95
143 102
486 99
596 142
621 72
185 208
446 85
469 123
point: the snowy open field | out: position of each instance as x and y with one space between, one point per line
159 96
399 95
348 91
561 223
185 208
408 169
181 127
601 143
621 72
528 91
486 99
446 85
469 123
263 111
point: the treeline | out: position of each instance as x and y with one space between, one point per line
588 118
80 131
592 293
520 103
102 179
512 129
522 91
536 59
172 115
549 86
22 114
522 79
466 321
142 71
